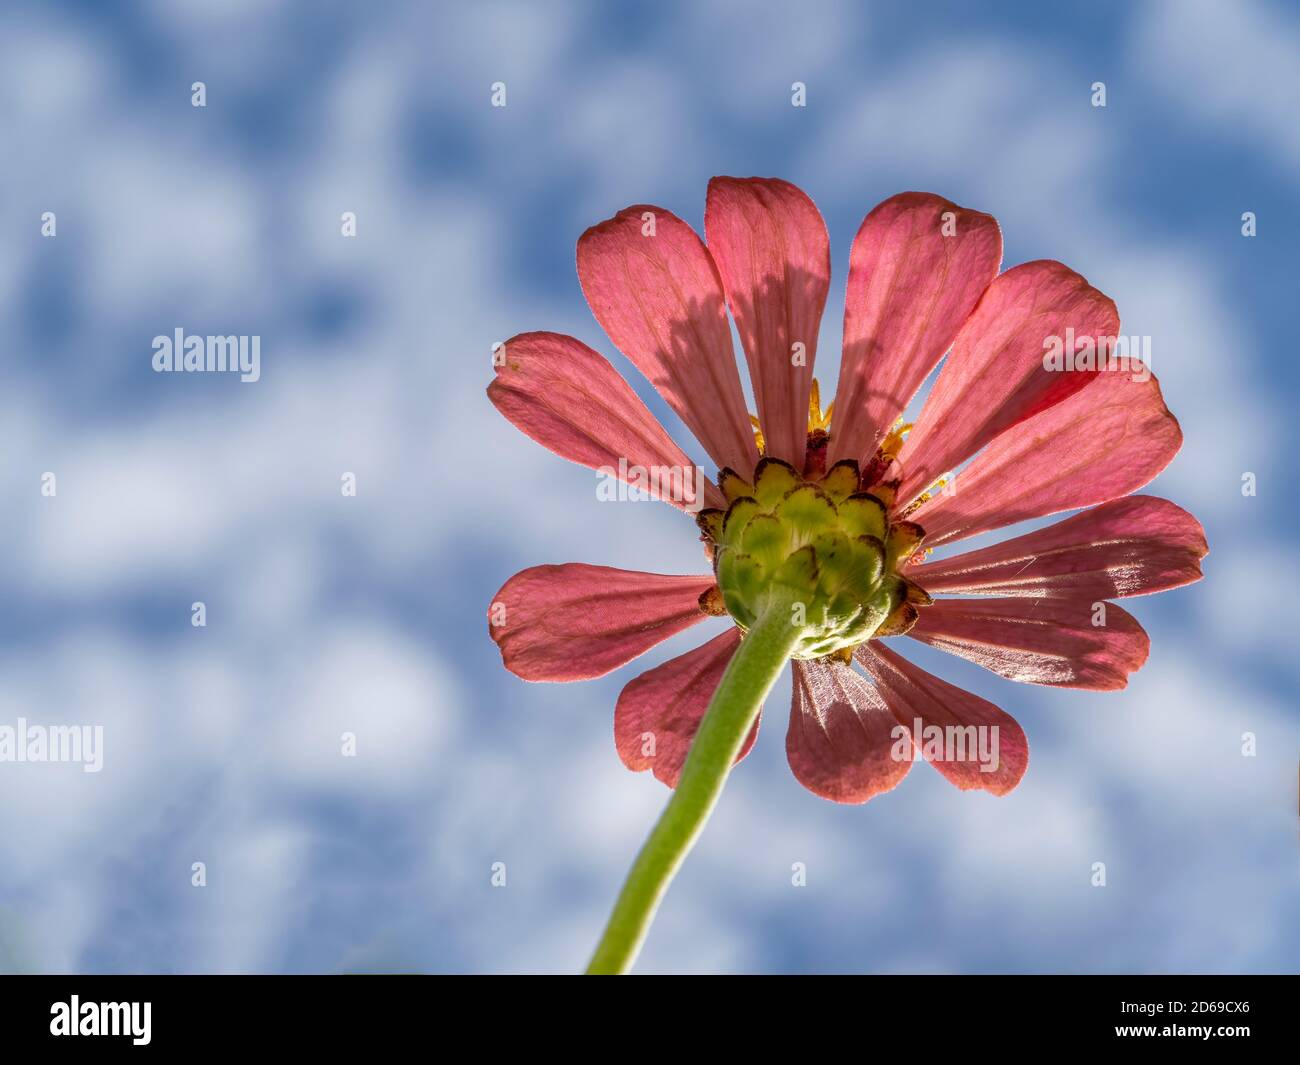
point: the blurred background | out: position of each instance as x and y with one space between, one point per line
329 614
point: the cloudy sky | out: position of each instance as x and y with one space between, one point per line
329 614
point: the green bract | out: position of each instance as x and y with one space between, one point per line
825 540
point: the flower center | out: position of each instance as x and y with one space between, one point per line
827 535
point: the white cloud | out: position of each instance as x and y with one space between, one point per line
220 740
1227 67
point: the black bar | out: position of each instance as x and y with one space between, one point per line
980 1014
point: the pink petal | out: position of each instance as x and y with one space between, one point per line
659 297
1131 546
572 401
1108 439
843 743
995 377
575 622
1039 641
910 289
913 695
660 711
770 244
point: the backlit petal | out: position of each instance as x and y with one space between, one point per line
572 401
772 251
1131 546
660 711
1108 439
655 290
979 745
574 622
843 743
1067 643
918 267
996 375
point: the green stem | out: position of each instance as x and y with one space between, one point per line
748 678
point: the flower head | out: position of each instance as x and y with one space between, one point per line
846 505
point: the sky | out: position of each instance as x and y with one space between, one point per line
329 613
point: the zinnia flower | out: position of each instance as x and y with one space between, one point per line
847 505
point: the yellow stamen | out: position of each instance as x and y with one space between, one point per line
927 495
893 442
817 418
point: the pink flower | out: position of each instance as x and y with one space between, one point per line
850 501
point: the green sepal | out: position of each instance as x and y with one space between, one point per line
862 514
869 562
808 511
732 485
799 571
737 517
767 538
841 480
904 538
835 559
710 522
743 580
773 480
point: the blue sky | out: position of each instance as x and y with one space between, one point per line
329 614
